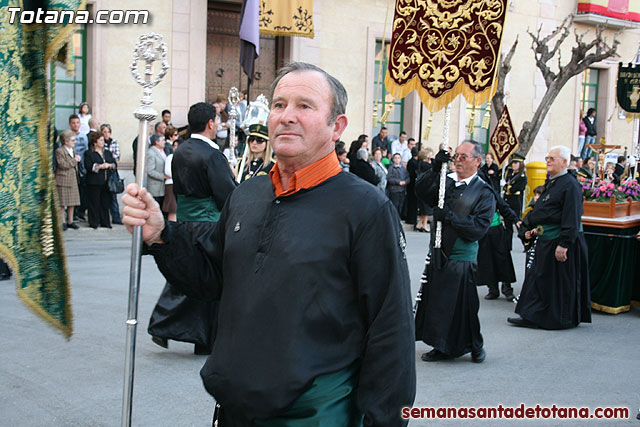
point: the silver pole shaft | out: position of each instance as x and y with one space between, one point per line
134 284
443 175
150 48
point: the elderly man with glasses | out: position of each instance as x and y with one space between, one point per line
556 292
447 314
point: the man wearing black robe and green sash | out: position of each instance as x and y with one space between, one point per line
556 292
202 181
447 314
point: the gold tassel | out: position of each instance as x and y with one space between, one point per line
487 117
385 116
375 115
427 129
472 120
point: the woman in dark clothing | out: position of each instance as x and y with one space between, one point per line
412 200
490 168
99 164
424 210
360 167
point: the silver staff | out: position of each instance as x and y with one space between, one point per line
150 48
234 100
443 175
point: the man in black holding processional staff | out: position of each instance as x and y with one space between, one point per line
447 313
310 331
202 181
556 293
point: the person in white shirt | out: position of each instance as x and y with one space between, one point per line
400 144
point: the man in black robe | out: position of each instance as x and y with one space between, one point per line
314 327
556 293
494 257
202 181
447 314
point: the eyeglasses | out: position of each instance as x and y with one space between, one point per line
461 157
550 159
257 140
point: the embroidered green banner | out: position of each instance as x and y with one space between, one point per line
30 231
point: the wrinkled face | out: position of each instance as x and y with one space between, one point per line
298 123
465 163
74 124
70 142
160 142
555 163
383 133
161 128
106 133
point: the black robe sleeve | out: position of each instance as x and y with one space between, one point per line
220 179
191 257
387 373
571 215
473 227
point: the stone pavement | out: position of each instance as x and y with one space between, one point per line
48 381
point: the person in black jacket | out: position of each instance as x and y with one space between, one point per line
590 135
516 183
491 170
359 166
314 328
619 170
99 164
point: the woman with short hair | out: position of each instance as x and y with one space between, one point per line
67 178
99 164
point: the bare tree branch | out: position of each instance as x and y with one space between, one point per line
505 66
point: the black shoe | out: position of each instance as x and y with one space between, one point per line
201 350
73 225
510 297
105 226
162 342
117 222
434 356
520 322
478 356
64 227
491 296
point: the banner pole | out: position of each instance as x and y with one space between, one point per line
150 48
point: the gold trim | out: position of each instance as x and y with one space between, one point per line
610 310
635 303
287 33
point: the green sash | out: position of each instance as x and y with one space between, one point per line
550 231
331 401
496 220
197 209
464 251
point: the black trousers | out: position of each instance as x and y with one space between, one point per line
98 204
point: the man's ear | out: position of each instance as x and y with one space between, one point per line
339 126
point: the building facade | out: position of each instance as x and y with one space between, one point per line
349 37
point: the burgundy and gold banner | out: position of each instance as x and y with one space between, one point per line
503 141
443 48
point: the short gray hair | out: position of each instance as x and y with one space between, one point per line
339 92
478 149
565 152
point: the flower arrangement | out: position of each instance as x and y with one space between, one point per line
603 191
631 189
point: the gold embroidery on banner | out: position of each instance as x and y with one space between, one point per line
286 17
442 48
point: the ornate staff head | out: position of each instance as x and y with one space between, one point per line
150 48
234 100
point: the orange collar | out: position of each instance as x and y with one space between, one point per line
307 177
